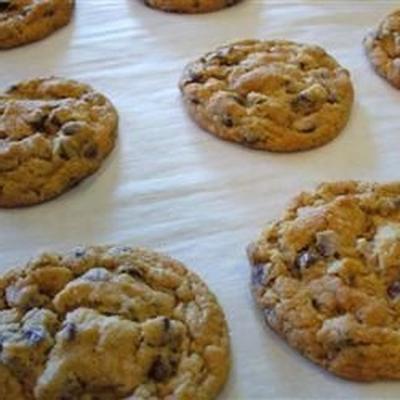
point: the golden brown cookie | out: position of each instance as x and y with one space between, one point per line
110 323
383 48
190 6
270 95
53 133
25 21
327 278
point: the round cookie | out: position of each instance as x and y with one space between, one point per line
327 278
53 133
190 6
270 95
383 48
25 21
110 323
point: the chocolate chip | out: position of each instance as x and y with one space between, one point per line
71 128
302 103
133 271
302 65
54 120
167 324
70 331
257 274
227 121
195 77
332 98
4 5
195 101
160 370
37 121
49 13
306 258
34 335
315 304
393 290
91 150
80 252
12 88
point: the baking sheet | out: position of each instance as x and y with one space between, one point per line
174 188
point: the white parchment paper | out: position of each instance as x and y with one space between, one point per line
171 187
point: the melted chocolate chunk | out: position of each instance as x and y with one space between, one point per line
303 104
160 370
34 335
393 290
70 330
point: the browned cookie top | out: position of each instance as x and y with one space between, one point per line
327 277
271 95
53 133
104 323
190 6
24 21
383 48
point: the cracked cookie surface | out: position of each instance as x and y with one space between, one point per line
190 6
25 21
270 95
53 133
327 278
383 48
102 323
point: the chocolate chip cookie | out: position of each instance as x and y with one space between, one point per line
190 6
270 95
25 21
53 133
110 323
327 278
383 48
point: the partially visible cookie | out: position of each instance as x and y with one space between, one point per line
383 48
110 323
190 6
270 95
25 21
327 278
53 133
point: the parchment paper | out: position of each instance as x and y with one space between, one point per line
174 188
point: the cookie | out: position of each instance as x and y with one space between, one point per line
327 278
53 133
383 48
269 95
190 6
110 323
25 21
